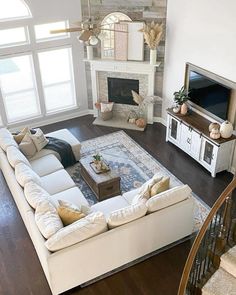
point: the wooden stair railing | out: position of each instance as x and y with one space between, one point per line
217 234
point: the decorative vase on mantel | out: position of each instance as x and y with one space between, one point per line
153 56
89 52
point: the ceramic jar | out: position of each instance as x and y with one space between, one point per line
176 109
226 129
184 109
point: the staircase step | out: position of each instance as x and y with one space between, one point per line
228 262
221 283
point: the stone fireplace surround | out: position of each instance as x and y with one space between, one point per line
142 71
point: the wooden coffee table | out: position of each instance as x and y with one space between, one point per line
104 185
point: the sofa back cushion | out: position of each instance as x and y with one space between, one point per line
6 139
15 157
47 219
25 174
127 214
35 194
168 198
85 228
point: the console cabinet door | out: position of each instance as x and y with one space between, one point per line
196 141
185 141
208 155
174 129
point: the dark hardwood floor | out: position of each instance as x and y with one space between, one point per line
20 270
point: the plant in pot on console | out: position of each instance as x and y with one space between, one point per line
180 98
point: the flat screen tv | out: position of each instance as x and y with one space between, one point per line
208 94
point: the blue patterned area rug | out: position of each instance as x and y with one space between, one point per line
132 163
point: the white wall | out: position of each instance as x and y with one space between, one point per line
202 32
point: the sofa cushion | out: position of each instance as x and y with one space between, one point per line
46 165
72 195
127 214
6 139
160 186
15 157
44 152
18 137
27 146
168 198
109 205
85 228
25 174
35 194
69 213
57 182
39 139
47 219
130 195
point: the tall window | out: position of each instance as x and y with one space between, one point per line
19 88
36 78
108 37
57 76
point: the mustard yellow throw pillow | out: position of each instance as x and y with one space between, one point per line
18 137
68 213
160 186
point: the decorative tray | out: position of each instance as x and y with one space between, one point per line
97 171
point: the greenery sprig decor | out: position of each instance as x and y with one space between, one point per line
181 96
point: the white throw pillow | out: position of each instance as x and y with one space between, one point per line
15 157
47 219
25 174
168 198
6 139
85 228
144 192
27 146
39 139
127 214
35 194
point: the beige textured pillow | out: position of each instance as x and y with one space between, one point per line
144 191
160 186
15 157
27 146
39 139
47 219
69 213
18 137
85 228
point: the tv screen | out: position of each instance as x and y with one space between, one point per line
209 94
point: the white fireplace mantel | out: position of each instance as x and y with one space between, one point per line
134 67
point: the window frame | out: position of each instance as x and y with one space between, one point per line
25 17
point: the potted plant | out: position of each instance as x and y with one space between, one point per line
180 98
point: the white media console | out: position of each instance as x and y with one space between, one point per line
190 133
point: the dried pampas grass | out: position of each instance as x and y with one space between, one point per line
152 34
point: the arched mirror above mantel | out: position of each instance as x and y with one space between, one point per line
108 37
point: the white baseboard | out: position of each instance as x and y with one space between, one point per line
159 120
232 170
50 120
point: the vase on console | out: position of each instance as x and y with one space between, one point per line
226 129
180 98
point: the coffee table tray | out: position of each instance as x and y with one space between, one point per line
99 171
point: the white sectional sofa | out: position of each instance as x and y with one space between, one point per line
106 251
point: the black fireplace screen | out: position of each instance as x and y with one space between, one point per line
119 90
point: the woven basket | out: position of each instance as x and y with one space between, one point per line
106 115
